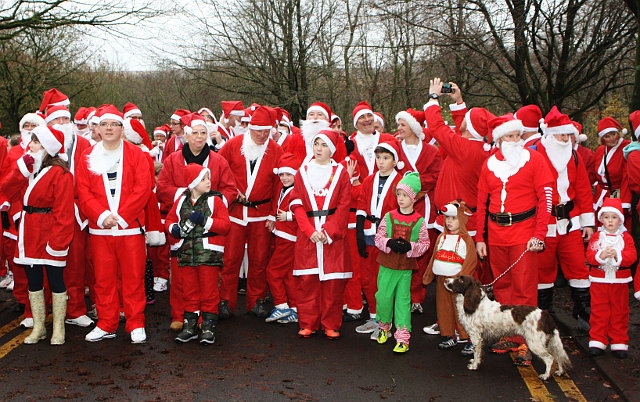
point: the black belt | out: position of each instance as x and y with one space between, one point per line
322 212
353 209
254 204
598 267
36 210
373 219
508 219
561 211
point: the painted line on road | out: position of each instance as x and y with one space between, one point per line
9 327
13 343
569 388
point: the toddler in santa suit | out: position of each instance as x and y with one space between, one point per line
402 237
610 254
198 222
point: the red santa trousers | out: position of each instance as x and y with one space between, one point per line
74 273
568 251
159 256
119 259
320 302
520 284
280 273
369 268
353 288
176 292
258 240
200 287
20 286
609 319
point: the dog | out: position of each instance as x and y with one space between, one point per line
484 318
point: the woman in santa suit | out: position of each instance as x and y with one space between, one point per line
322 194
610 164
46 225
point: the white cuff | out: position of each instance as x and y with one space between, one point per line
587 219
208 224
431 102
454 107
102 217
56 253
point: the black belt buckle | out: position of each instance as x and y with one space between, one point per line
504 219
560 211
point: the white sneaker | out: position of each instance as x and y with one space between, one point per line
27 323
159 284
374 334
82 321
138 335
368 327
433 329
6 280
98 334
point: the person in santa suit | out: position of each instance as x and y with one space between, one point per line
587 154
514 195
630 191
572 217
284 136
321 205
113 195
609 161
232 112
172 182
11 209
81 122
50 98
530 116
159 139
318 115
422 157
46 226
252 158
610 254
176 140
131 111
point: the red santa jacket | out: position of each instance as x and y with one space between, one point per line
328 208
282 202
133 187
571 187
588 156
171 145
626 255
11 198
615 169
362 168
528 188
258 186
172 182
373 207
631 178
78 147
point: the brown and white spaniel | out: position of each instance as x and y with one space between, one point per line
484 318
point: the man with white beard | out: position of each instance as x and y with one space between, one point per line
514 191
318 115
572 218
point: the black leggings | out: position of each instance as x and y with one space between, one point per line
35 278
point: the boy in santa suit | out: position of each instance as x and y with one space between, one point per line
317 118
280 267
252 158
376 197
113 195
198 222
610 254
609 163
530 116
321 205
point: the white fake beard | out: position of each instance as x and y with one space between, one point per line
101 161
559 152
312 127
37 159
512 152
25 138
250 149
240 130
82 133
67 129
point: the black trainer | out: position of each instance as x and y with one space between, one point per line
260 309
224 311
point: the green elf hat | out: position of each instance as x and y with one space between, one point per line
410 183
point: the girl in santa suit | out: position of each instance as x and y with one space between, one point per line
322 195
610 163
46 226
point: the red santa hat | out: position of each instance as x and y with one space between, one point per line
81 116
288 163
34 118
246 117
189 121
415 120
162 130
234 108
330 137
503 125
555 123
194 174
377 116
477 119
611 205
53 97
129 109
361 109
54 112
284 117
581 137
634 119
608 125
393 148
530 116
91 116
135 133
179 113
263 118
320 107
206 109
109 112
52 141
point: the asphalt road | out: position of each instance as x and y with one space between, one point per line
255 361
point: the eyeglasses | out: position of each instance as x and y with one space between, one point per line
136 117
105 124
174 123
199 134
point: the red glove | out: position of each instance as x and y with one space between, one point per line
28 160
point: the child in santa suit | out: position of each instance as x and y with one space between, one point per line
280 267
322 195
402 237
454 254
198 222
610 253
376 198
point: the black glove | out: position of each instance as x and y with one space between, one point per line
196 217
362 245
175 231
400 246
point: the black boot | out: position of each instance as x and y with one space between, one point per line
148 282
260 309
581 307
545 299
188 327
208 329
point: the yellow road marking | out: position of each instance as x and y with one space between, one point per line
569 388
13 343
9 327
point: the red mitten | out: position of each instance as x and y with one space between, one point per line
28 160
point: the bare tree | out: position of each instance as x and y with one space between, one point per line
634 7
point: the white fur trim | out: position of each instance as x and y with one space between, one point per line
110 116
454 107
587 219
155 238
317 109
360 114
506 128
198 123
389 148
198 178
284 170
431 102
130 134
23 167
327 141
132 111
47 140
236 113
607 131
610 209
564 129
412 122
32 118
56 114
470 128
56 253
254 127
